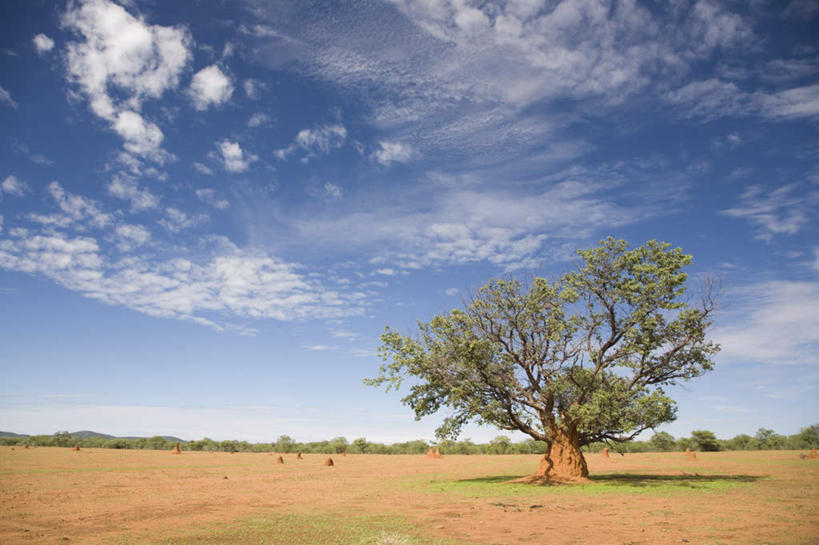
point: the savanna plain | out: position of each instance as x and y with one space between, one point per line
129 497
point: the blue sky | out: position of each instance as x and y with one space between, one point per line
209 212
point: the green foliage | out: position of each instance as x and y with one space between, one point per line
62 439
284 443
662 442
769 440
360 446
588 353
705 440
741 442
807 438
499 445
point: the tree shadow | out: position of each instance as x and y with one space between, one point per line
654 479
629 480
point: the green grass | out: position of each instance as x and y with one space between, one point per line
607 483
313 529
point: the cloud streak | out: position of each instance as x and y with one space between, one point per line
221 285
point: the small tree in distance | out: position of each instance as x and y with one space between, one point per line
662 441
705 441
570 362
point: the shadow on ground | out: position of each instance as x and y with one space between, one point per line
629 480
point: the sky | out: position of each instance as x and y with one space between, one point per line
209 211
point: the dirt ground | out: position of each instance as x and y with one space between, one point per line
101 496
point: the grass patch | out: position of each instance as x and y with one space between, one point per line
314 529
606 483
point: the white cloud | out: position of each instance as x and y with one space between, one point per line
77 208
121 62
321 347
131 236
213 290
43 44
332 190
801 10
259 119
141 137
771 322
457 225
320 140
210 87
233 157
127 188
13 186
784 210
253 88
715 98
710 99
452 291
5 97
209 196
345 335
385 271
799 102
391 152
203 169
176 220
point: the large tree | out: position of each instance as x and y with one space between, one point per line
570 362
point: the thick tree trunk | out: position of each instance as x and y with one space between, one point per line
563 460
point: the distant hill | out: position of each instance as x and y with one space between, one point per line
165 437
85 434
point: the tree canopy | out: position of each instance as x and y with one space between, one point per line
570 362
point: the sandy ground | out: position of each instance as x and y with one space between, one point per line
101 496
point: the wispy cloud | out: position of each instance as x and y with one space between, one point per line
782 211
393 152
12 185
458 225
209 196
215 288
126 187
316 141
771 322
258 119
5 97
456 80
176 220
202 169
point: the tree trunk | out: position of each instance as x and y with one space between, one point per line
563 460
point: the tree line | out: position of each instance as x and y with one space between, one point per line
701 440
